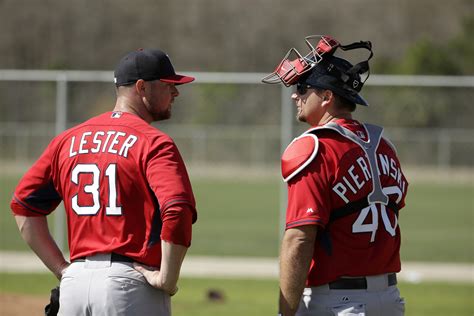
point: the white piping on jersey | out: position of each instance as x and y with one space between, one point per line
369 147
307 162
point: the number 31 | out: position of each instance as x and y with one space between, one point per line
93 188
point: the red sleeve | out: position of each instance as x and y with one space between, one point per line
177 225
308 197
36 194
168 178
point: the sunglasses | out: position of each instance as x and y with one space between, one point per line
302 88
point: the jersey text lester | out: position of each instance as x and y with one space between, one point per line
112 142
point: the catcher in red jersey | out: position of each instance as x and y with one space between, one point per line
127 196
341 248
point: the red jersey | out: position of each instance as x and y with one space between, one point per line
118 176
366 239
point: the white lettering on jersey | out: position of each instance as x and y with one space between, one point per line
117 143
72 153
355 179
83 142
358 175
349 184
390 168
97 141
127 144
109 133
364 167
341 190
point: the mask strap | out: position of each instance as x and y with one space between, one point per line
363 66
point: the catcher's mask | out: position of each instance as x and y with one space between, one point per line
320 68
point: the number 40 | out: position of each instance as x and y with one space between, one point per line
360 227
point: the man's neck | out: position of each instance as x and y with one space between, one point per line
327 117
126 105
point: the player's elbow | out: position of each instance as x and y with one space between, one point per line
31 228
301 235
22 224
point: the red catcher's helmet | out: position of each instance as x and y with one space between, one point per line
289 70
294 64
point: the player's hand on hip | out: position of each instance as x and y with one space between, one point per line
61 270
154 278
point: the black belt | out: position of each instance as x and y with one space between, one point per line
358 283
114 257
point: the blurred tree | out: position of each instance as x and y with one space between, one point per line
431 56
230 36
416 107
464 47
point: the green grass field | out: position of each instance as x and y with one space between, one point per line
241 218
259 297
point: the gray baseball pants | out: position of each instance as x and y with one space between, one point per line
378 299
98 286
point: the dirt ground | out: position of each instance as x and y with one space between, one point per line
22 305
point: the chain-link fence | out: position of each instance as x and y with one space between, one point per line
232 119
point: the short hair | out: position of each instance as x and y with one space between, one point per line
339 102
344 104
120 90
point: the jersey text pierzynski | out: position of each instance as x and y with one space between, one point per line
358 175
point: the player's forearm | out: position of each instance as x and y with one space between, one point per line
295 259
35 232
175 240
177 225
171 261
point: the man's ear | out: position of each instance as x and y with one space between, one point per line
328 96
140 86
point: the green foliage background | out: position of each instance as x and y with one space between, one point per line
432 56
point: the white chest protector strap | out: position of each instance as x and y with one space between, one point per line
370 147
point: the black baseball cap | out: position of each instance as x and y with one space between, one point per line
332 73
147 64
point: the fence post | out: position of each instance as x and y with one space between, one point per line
61 119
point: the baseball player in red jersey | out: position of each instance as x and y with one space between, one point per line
340 249
127 196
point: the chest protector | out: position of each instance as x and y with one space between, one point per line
303 149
